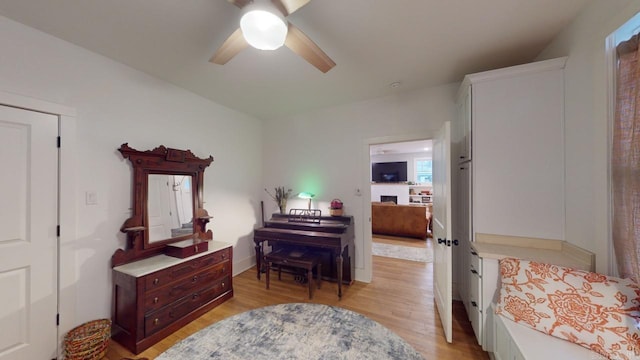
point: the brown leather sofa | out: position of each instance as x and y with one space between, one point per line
399 220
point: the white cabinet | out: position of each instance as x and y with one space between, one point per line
483 277
509 147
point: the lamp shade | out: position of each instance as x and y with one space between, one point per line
263 30
306 195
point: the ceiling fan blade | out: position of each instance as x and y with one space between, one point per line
240 3
300 44
230 48
288 7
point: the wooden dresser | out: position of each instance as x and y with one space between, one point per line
156 296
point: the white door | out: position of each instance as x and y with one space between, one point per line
442 227
28 240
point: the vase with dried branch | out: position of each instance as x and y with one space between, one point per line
280 196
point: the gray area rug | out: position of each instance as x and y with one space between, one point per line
403 252
293 331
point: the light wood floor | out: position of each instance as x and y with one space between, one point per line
402 241
400 297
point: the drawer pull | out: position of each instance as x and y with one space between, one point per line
223 269
195 278
474 271
474 304
474 253
223 285
155 300
156 321
196 248
156 281
194 296
224 256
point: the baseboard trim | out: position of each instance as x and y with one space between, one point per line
243 265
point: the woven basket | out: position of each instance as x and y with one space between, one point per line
88 341
335 212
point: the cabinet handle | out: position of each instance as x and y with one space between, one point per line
474 271
156 281
194 296
474 304
224 256
223 269
223 285
195 278
196 248
462 156
440 241
474 253
156 321
155 300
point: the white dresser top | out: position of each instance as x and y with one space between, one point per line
159 262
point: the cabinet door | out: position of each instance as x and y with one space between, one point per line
462 127
518 155
461 228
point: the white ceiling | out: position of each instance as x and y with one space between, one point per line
419 43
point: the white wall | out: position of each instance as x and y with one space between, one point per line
327 152
586 132
116 104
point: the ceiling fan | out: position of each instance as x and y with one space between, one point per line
264 27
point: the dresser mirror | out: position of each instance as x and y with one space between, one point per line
169 207
167 204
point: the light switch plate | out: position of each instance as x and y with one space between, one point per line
91 198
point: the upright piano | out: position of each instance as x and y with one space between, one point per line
331 236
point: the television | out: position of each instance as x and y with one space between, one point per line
389 171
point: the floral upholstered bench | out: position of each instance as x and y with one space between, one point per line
548 311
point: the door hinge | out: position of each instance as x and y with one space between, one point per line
59 141
58 230
58 319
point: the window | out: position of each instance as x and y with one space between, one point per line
423 171
625 142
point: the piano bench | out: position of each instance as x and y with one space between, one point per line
300 259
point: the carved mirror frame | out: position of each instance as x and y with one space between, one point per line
160 160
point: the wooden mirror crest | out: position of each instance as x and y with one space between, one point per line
167 204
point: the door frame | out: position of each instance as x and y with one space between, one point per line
365 273
66 286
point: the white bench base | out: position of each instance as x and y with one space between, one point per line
518 342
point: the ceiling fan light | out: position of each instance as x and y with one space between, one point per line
263 30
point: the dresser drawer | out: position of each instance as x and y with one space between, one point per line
157 320
158 298
166 276
163 317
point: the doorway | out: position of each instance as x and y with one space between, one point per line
28 236
65 274
400 178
